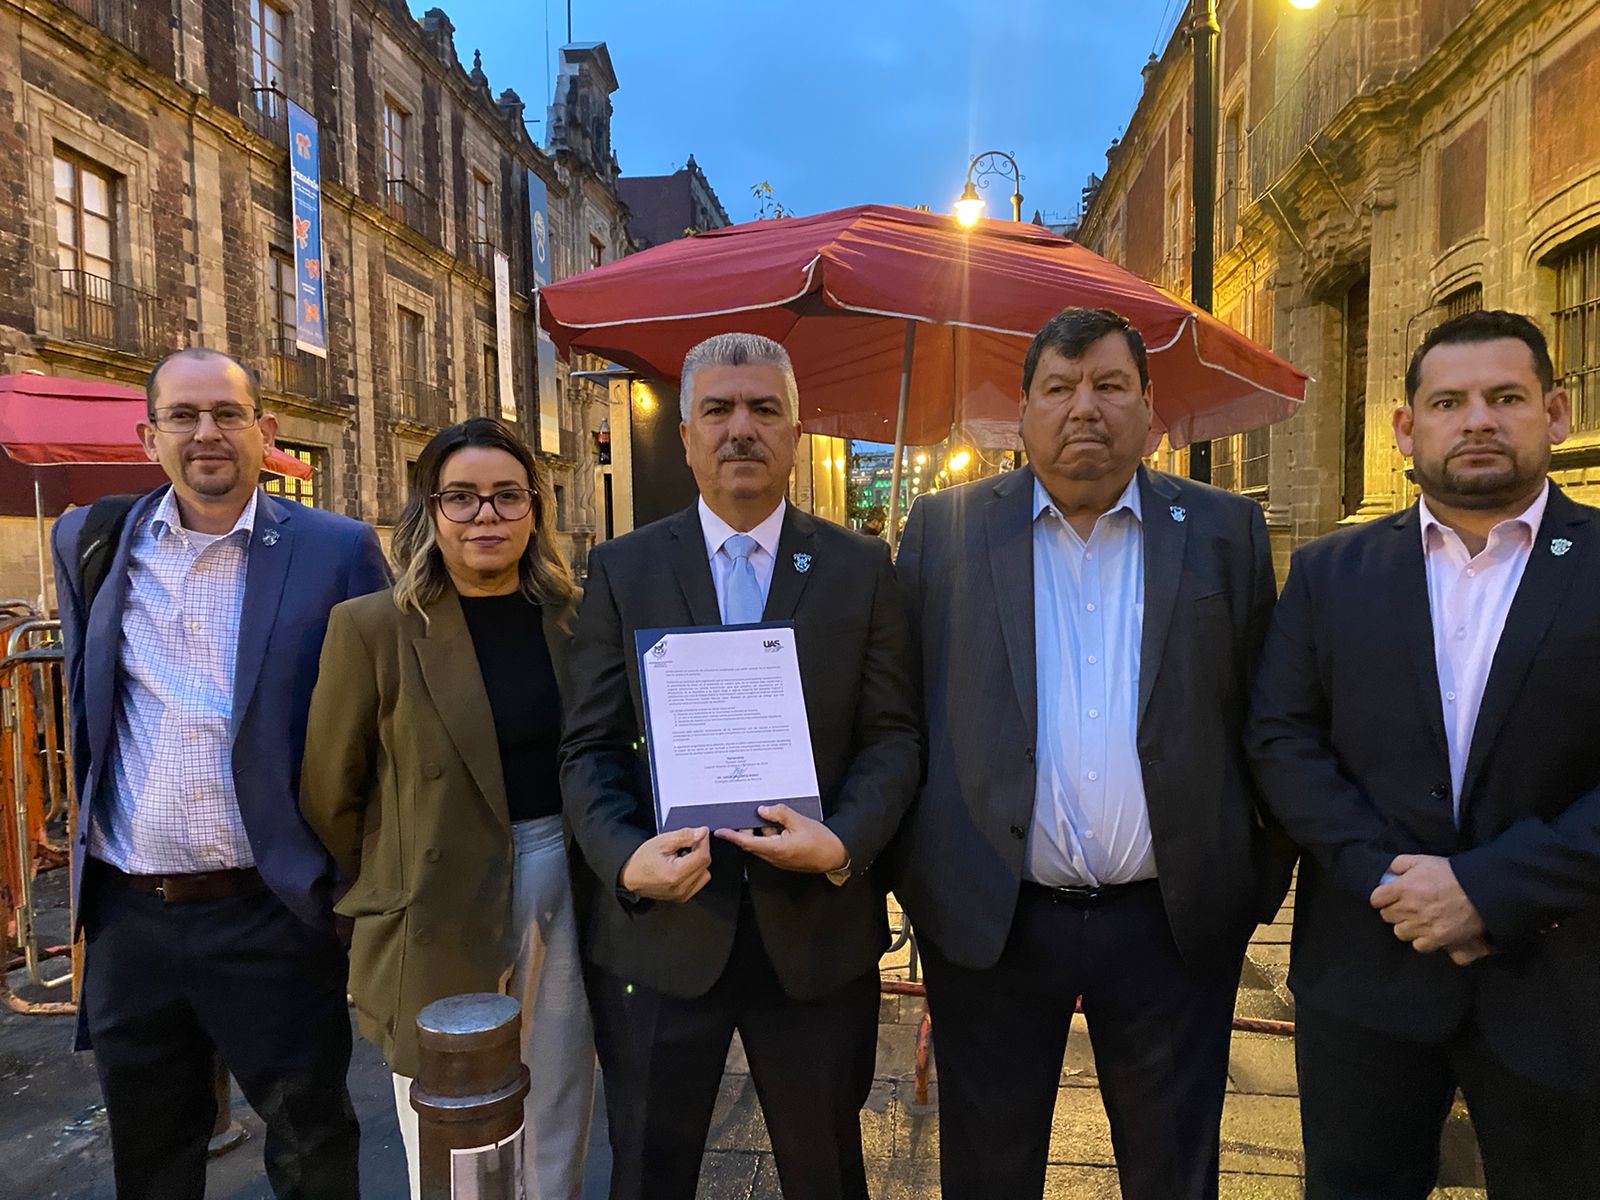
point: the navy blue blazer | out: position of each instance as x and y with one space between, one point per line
1348 739
330 558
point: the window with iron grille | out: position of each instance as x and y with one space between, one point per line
1232 176
597 251
1577 321
1224 464
267 36
86 223
396 141
1463 301
482 211
312 491
411 345
491 381
1253 444
1175 238
282 302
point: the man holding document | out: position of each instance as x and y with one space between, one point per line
741 746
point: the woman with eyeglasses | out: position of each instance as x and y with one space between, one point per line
430 774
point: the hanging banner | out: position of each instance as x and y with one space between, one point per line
305 193
538 231
540 254
549 405
502 331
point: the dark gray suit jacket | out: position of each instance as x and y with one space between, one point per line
856 673
966 562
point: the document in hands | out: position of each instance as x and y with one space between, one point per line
725 725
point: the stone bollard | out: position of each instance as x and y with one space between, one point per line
468 1097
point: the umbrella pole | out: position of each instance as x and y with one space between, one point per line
900 434
38 522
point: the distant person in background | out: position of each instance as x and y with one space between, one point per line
203 898
431 775
877 518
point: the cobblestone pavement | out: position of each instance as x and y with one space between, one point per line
54 1143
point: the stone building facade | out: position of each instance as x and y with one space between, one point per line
663 208
144 171
1384 164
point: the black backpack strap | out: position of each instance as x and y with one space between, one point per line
97 541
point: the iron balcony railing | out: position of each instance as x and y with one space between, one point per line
1335 69
292 370
270 108
424 404
115 19
105 313
409 203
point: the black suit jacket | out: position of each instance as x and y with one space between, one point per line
966 562
1348 740
855 669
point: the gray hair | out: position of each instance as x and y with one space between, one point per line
736 350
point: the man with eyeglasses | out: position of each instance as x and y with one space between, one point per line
203 898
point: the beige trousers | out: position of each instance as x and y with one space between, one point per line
557 1037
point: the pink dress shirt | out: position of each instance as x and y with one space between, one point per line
1468 599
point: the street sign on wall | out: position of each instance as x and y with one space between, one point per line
305 192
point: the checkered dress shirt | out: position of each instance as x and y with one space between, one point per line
172 807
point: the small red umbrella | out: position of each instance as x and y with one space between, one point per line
71 441
896 317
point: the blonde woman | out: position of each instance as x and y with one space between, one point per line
430 774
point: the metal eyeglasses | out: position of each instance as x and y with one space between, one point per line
182 419
510 504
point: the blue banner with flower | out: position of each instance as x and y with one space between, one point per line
305 190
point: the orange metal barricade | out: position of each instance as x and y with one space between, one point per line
40 814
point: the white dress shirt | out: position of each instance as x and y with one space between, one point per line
172 807
1468 599
762 559
1091 824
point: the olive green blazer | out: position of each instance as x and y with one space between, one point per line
402 782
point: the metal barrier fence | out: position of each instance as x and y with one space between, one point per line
41 818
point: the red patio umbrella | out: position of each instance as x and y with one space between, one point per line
71 441
901 324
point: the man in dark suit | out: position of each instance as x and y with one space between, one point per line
1086 826
696 933
1422 726
202 896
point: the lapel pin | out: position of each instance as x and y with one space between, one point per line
269 538
1559 546
802 563
1178 511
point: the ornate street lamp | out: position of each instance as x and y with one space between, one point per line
970 205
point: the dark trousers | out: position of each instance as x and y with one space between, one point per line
167 987
1160 1035
662 1058
1373 1106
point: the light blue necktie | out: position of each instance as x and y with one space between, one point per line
743 602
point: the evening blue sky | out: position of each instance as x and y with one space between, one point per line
838 102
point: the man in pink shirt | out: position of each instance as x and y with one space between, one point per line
1422 726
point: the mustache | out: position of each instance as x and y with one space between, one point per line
1477 447
742 450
